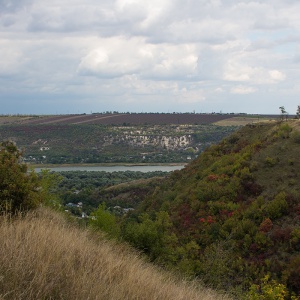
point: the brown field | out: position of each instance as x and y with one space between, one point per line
139 119
44 257
133 119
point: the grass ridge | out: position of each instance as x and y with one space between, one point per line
42 256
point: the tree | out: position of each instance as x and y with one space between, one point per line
48 188
19 189
104 220
283 112
298 112
153 237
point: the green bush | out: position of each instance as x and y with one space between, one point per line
152 236
104 220
270 162
277 207
284 131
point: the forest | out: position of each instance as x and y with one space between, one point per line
122 189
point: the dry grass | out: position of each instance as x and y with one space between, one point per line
13 119
241 121
44 257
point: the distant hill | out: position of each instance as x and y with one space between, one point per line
61 143
232 216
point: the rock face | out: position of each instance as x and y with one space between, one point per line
166 142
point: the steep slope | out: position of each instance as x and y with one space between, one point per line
44 257
233 213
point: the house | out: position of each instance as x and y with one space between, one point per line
126 210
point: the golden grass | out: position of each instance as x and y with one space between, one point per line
241 121
295 124
44 257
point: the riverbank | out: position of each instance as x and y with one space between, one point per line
46 166
110 168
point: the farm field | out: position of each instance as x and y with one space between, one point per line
136 119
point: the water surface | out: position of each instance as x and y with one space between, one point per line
114 168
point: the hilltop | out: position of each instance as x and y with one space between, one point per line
232 216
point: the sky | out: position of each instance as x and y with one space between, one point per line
88 56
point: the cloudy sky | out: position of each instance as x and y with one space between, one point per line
82 56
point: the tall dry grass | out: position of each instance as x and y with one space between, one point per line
44 257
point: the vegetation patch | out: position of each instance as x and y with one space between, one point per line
233 214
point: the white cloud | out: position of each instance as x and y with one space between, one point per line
277 75
242 90
186 96
118 57
11 58
237 71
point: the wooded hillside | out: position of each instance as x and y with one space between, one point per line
232 216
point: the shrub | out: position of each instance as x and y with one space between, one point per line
284 131
292 273
277 207
270 162
295 238
266 225
267 290
296 137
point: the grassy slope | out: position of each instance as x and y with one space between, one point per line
44 257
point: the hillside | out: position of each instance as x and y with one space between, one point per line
45 257
232 216
114 137
56 143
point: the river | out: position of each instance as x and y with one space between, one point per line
114 168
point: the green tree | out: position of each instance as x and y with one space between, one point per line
19 189
104 220
152 236
48 187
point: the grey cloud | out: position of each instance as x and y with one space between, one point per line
166 49
11 6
